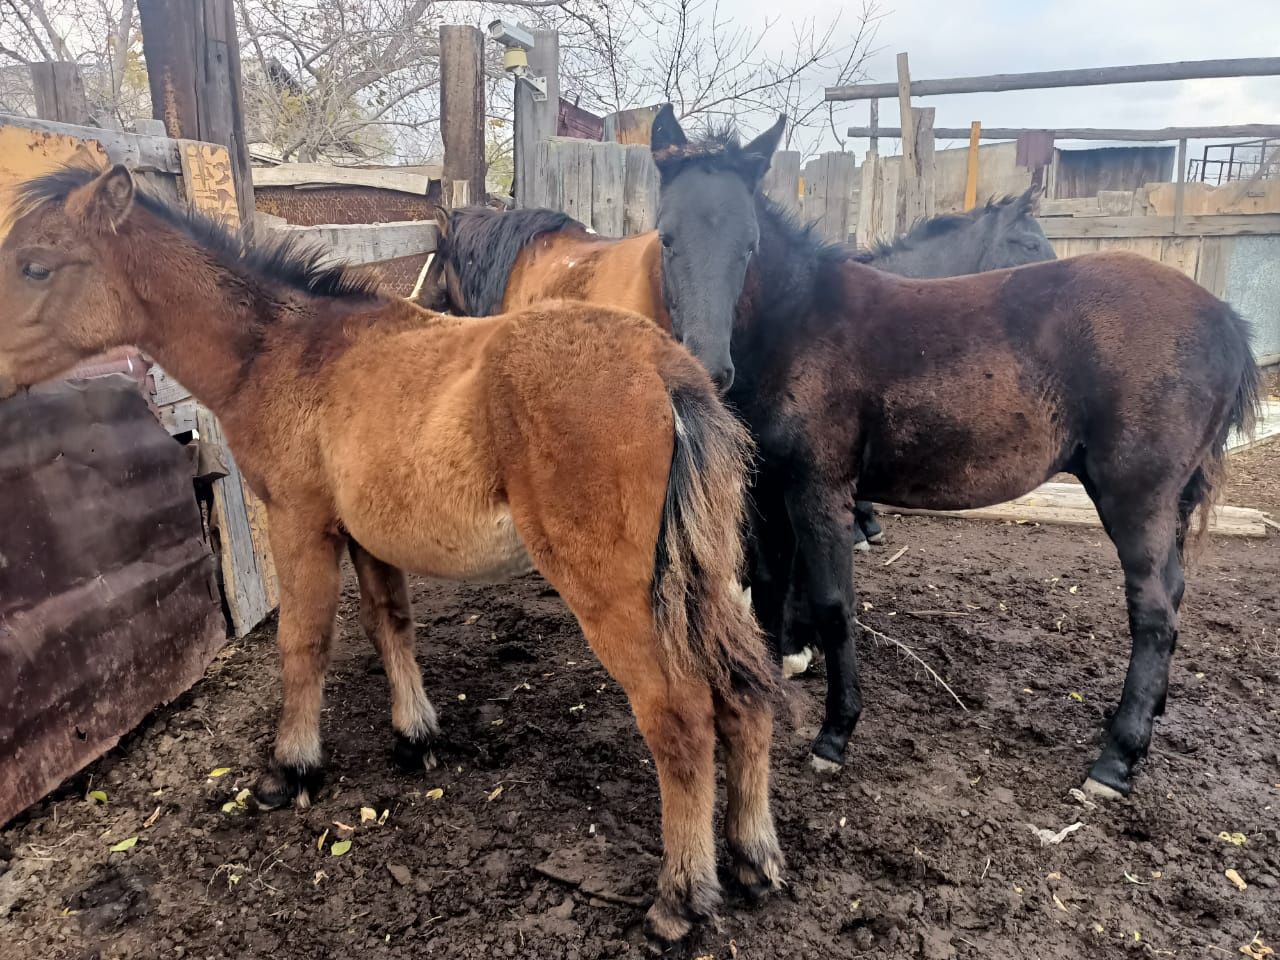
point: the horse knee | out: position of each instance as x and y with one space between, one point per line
681 737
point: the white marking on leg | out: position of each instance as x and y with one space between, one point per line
823 765
1096 789
862 546
794 664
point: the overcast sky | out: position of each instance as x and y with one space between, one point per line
946 38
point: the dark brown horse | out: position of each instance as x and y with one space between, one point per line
962 393
573 439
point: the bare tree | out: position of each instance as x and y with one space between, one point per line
101 36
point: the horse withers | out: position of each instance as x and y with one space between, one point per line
574 439
958 393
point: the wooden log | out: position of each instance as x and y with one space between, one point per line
462 110
1244 131
1067 504
193 68
910 195
59 92
414 181
535 120
1046 79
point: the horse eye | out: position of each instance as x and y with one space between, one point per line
35 271
666 240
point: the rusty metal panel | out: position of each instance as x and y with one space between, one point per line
108 602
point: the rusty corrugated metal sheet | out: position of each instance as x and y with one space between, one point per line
108 603
573 121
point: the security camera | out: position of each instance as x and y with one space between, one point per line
515 60
511 35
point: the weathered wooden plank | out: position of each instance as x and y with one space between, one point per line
59 93
462 115
640 190
137 152
535 120
971 172
910 195
368 242
828 185
1211 267
1067 504
608 188
1224 225
927 167
416 181
782 183
1047 79
576 178
630 127
1244 131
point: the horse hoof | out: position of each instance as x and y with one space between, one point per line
756 877
1098 789
862 546
823 765
876 538
413 755
281 785
674 912
794 664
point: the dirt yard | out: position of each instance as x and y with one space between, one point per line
539 837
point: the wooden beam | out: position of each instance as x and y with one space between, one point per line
1219 225
326 175
1067 504
535 120
59 91
1088 77
368 242
971 174
910 194
1248 131
193 68
462 113
139 153
875 127
1180 194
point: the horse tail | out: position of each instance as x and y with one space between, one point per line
704 623
1203 489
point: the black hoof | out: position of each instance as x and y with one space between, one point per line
281 785
1110 779
753 879
413 756
828 751
674 914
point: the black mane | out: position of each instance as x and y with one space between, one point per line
719 151
481 245
281 259
933 228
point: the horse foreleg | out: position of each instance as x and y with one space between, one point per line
306 558
387 618
824 547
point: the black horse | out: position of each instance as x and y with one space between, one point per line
950 394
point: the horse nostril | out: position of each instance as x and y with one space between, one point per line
723 378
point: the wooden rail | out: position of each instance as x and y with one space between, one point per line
1245 131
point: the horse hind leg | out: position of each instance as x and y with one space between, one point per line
1145 534
387 618
745 730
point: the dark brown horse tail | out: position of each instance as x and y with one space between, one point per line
705 626
1246 407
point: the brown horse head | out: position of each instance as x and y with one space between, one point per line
60 304
707 222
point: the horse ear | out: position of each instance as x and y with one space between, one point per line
666 133
443 217
109 199
1029 202
759 152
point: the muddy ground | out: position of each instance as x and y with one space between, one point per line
924 847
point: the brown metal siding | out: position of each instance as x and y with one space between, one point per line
108 603
312 206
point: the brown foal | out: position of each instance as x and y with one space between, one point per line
575 439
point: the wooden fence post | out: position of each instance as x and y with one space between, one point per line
971 174
925 159
535 120
59 91
910 194
462 114
640 191
193 68
782 182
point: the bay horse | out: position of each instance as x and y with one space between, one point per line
957 393
577 440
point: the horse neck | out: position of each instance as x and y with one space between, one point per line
944 255
204 324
